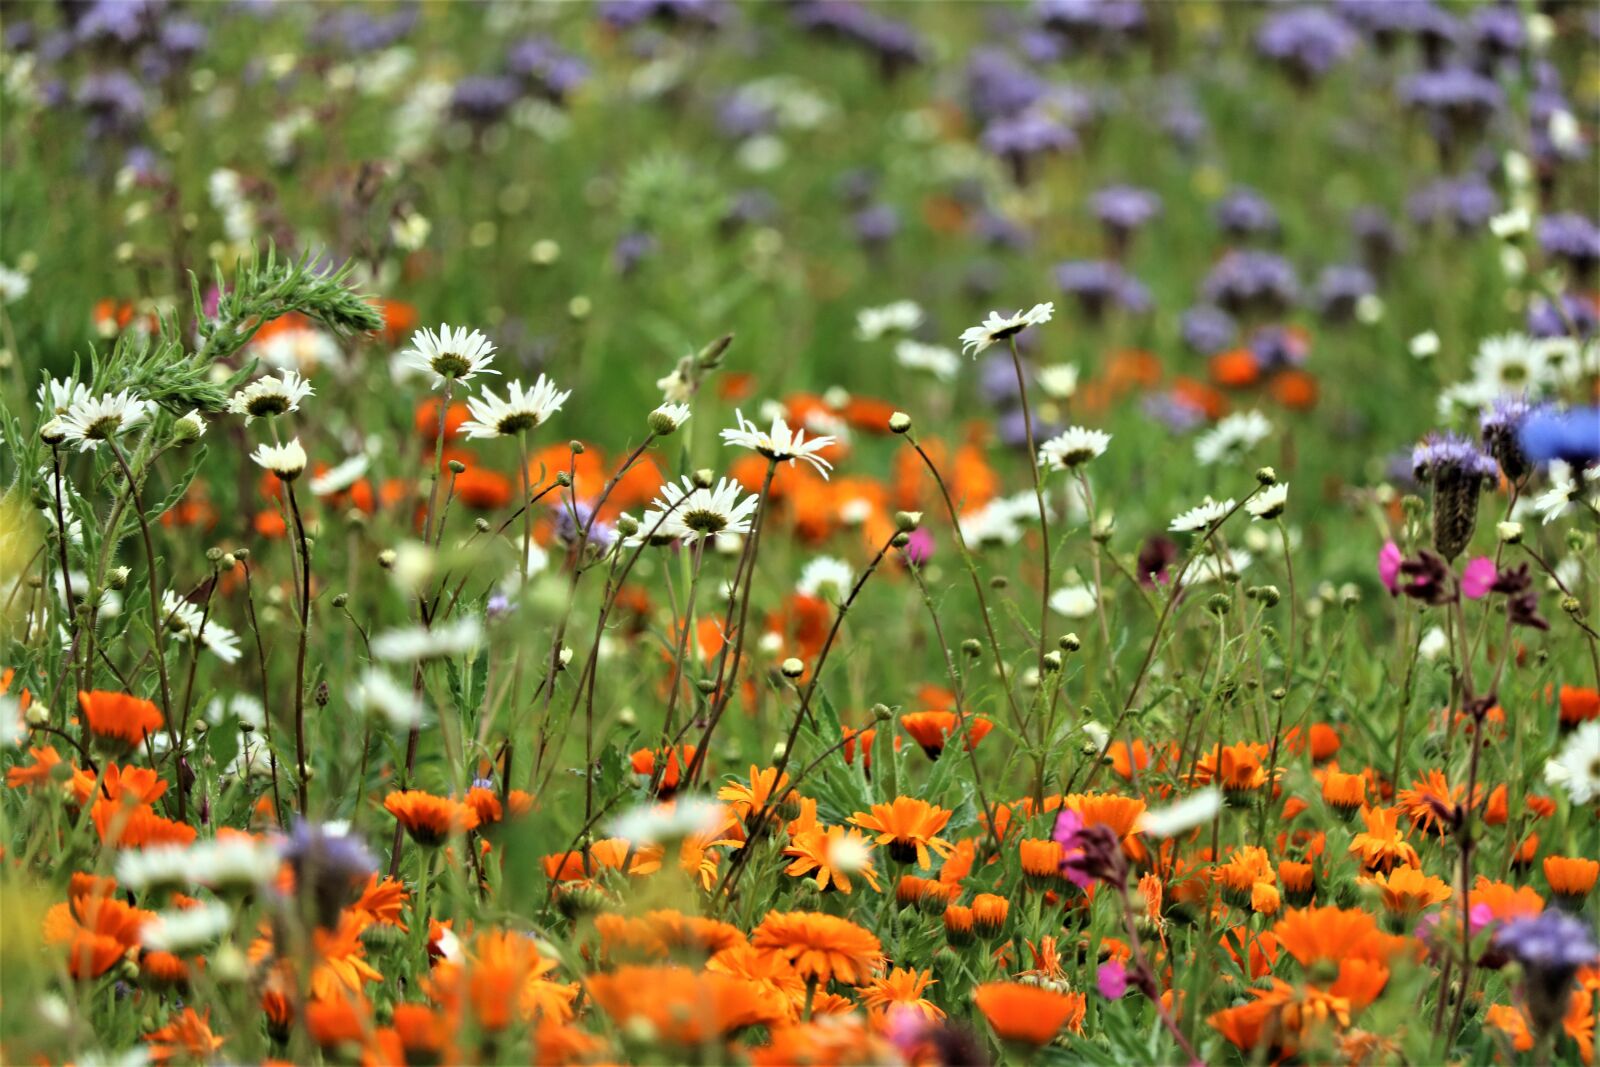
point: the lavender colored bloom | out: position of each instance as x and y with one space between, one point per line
1571 237
876 224
1207 330
895 44
1306 41
1089 21
1551 946
1277 347
356 29
20 35
625 14
631 249
1376 237
182 38
546 69
1012 429
1185 124
1252 281
1572 436
1386 21
1575 317
1458 101
1099 284
1123 209
1177 413
749 207
1442 453
1020 138
497 607
1499 31
1468 202
998 230
1246 213
997 378
1498 427
113 100
1340 288
329 867
483 99
1456 469
741 115
997 85
117 22
573 516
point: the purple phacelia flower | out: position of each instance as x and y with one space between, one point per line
625 14
1100 284
1122 210
483 99
1498 428
1448 453
1018 139
895 44
1246 213
1573 238
546 69
1468 203
1088 22
1207 330
876 224
1252 281
1278 347
1575 317
1499 31
997 85
1340 288
1306 41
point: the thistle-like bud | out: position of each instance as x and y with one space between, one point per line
575 447
118 578
1052 661
900 540
881 712
711 355
1070 643
971 648
1509 532
1266 476
1219 604
341 599
564 479
1457 470
627 525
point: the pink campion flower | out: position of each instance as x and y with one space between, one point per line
1389 560
919 546
1068 825
1476 578
1112 979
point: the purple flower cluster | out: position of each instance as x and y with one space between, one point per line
1251 281
1306 41
1100 285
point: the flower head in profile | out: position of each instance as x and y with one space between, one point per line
90 420
691 513
779 443
998 327
1576 768
1232 437
451 355
522 409
1072 448
266 397
1202 517
189 622
287 461
1269 503
668 418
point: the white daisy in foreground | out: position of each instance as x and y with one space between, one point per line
1196 809
902 316
1073 447
654 824
91 420
937 360
826 578
998 327
779 443
188 622
377 692
287 461
1202 516
522 409
266 397
1232 437
1000 521
1269 503
1059 380
57 397
690 513
184 931
1075 601
154 867
451 355
340 477
1576 768
1564 490
667 418
418 642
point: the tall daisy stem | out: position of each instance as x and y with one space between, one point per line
300 647
1038 492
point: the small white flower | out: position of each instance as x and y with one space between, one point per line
1565 490
522 409
452 354
1269 503
690 513
1424 345
998 327
653 824
779 443
14 285
56 397
1059 380
189 622
1202 516
377 691
340 477
1232 437
675 388
937 360
1434 644
1074 600
827 578
1196 809
91 420
268 396
667 418
184 931
287 461
154 867
902 316
1511 224
1576 768
999 522
1073 447
416 642
191 427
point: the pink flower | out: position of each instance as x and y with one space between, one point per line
1389 560
919 546
1476 578
1068 825
1112 979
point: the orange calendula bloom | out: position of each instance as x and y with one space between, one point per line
1431 802
672 762
910 828
98 929
1346 794
656 935
1570 878
36 773
430 820
832 854
1382 846
1407 892
820 947
502 979
1029 1014
607 854
187 1036
900 988
684 1008
119 716
989 913
1578 705
1041 862
933 729
1504 901
764 787
958 923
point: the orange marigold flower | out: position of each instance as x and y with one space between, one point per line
1346 794
1041 862
1431 802
910 828
749 800
338 1021
430 820
38 772
901 988
677 760
1382 846
1331 935
820 947
932 729
833 1039
1407 892
421 1031
832 854
656 935
958 923
119 717
1578 705
97 928
989 913
382 902
1504 901
607 854
683 1008
1029 1014
1571 878
187 1036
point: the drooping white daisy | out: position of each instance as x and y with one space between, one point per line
417 642
1059 380
1269 503
269 396
667 418
162 866
233 862
191 427
451 355
826 578
185 931
998 327
91 420
341 476
522 409
189 622
1576 768
1073 447
1565 490
1202 516
902 316
689 513
56 397
675 387
376 691
1000 521
937 360
1232 437
1074 600
287 460
779 443
1196 809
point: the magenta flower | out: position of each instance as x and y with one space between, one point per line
1112 979
1389 560
1069 824
1477 577
919 546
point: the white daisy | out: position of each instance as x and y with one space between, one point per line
1565 491
287 461
91 420
266 397
653 824
233 862
522 409
452 354
667 418
1576 768
675 387
1196 809
377 691
1059 380
902 316
998 327
937 360
1000 521
417 642
185 931
340 477
1269 503
1073 447
191 426
1232 437
1213 567
306 348
691 513
153 867
1202 516
779 443
188 622
1510 363
826 578
1074 600
56 397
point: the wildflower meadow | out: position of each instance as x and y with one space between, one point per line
800 532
